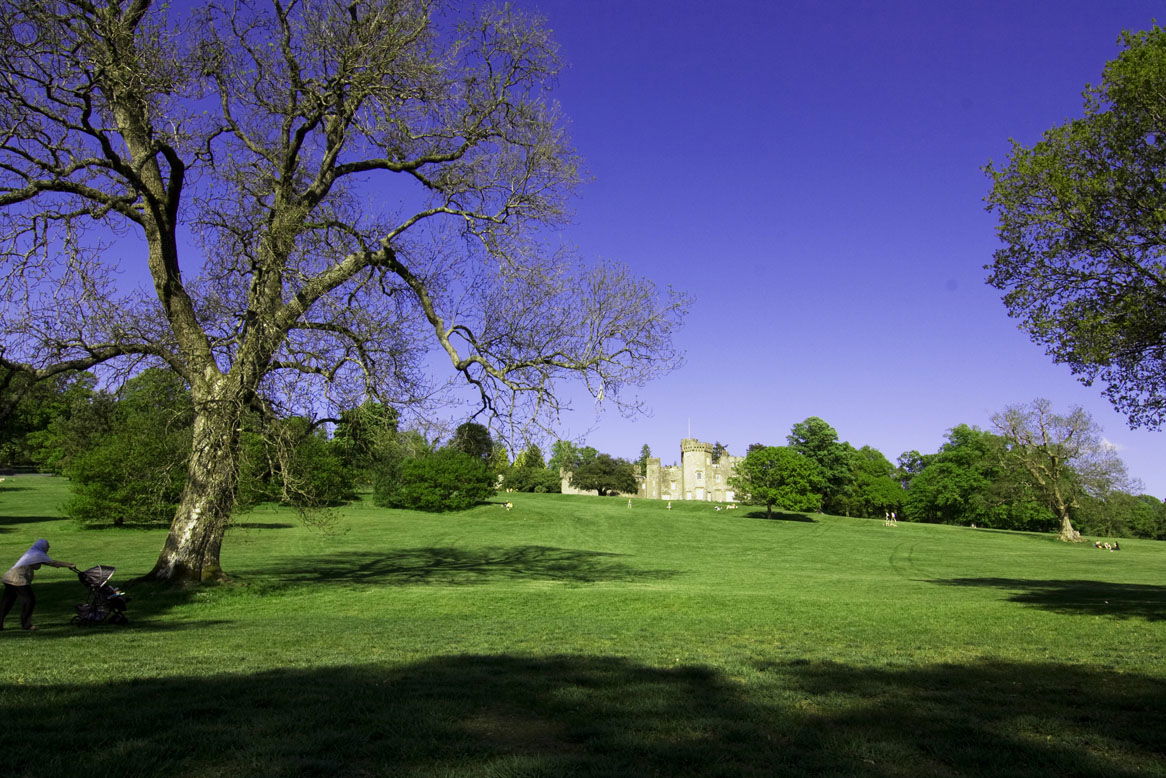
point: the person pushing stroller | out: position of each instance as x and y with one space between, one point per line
18 582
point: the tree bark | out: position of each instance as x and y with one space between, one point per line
191 552
1068 534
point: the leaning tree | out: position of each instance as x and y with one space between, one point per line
297 201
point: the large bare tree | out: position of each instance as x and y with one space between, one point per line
320 192
1062 456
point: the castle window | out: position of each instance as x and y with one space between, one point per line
699 475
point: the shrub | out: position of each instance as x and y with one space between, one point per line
532 479
444 481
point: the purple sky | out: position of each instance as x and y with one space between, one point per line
810 172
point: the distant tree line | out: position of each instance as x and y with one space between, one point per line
125 452
1038 471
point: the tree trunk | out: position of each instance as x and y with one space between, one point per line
1068 534
191 552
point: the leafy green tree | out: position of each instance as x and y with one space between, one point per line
719 450
1081 222
532 479
1120 514
1147 519
564 456
78 417
446 480
530 473
365 436
27 406
473 439
779 477
642 462
910 464
1062 457
499 461
971 481
314 473
874 489
134 472
605 474
816 439
530 457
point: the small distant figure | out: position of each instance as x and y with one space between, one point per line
1116 546
669 505
508 505
1107 547
716 507
889 520
973 525
1097 544
629 503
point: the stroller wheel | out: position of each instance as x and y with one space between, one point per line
118 618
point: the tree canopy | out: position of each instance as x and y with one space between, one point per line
1082 219
605 474
816 439
779 476
319 194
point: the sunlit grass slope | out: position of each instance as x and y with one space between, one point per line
580 636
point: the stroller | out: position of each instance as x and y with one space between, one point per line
107 604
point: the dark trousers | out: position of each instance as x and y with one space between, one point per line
27 603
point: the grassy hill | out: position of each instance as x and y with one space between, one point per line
578 636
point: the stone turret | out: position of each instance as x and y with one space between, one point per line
692 444
695 459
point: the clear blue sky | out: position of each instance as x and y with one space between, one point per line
810 172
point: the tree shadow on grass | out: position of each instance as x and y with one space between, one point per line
448 565
782 516
261 525
1095 598
593 716
57 599
8 523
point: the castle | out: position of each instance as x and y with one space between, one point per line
697 477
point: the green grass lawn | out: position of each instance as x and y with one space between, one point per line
578 636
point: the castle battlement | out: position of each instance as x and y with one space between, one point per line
692 444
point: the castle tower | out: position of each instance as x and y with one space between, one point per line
695 464
650 483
